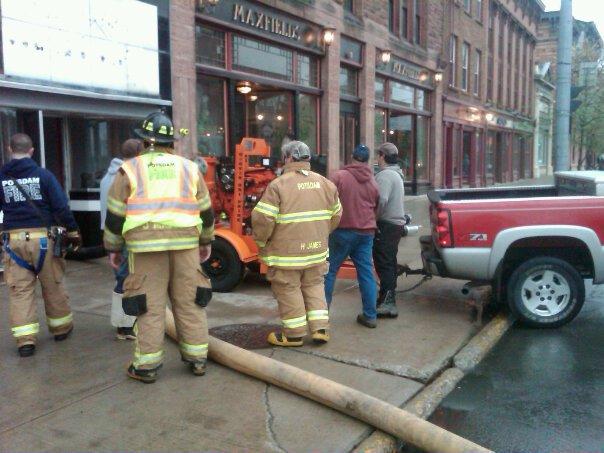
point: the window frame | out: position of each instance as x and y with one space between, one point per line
476 62
465 66
453 61
467 6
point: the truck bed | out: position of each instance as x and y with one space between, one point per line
488 193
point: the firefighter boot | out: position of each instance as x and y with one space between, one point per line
27 350
64 336
320 336
198 368
278 339
146 376
387 309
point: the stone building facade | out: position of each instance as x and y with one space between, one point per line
461 114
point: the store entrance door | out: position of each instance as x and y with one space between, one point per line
265 112
349 131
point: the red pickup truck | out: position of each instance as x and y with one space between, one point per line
535 245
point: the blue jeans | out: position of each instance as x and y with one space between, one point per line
342 244
121 273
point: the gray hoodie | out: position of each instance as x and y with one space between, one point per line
391 207
106 182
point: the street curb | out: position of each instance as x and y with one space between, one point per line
426 401
479 346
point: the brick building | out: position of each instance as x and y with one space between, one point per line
488 115
448 81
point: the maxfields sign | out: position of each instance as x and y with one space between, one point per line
266 21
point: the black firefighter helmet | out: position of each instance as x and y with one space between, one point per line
157 128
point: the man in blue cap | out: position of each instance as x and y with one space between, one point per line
359 197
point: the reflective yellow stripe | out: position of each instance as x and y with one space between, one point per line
267 209
157 245
291 261
112 239
205 203
336 208
304 216
194 349
115 206
58 322
260 244
27 329
316 315
292 323
147 359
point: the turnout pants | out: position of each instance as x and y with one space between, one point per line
385 247
157 276
21 285
300 295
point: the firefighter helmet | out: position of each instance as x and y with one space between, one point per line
157 127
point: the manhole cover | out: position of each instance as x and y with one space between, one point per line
246 336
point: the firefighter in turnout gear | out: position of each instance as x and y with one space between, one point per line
159 206
33 203
291 226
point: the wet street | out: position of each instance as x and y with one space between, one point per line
539 390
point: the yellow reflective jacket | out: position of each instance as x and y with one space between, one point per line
292 221
154 204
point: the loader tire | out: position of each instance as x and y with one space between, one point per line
224 268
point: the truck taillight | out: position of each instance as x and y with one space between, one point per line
442 227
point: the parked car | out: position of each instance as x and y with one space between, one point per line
535 245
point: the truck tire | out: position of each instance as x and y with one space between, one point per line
224 268
545 292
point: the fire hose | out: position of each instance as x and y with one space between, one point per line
349 401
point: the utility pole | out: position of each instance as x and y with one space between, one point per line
565 41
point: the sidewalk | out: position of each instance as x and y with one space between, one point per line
75 395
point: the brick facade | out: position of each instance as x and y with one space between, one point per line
427 50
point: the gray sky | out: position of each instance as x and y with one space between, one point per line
588 10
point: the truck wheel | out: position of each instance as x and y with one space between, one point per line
545 292
224 268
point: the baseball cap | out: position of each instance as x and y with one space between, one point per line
388 149
361 153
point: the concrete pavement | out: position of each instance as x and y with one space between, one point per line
74 395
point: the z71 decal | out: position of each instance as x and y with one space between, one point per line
478 236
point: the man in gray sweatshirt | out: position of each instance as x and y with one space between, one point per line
130 148
390 223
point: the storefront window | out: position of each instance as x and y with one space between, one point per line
307 121
210 46
401 94
93 144
308 71
400 132
351 50
348 81
421 98
542 146
269 117
380 127
261 58
421 146
210 116
490 152
380 89
8 127
516 154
